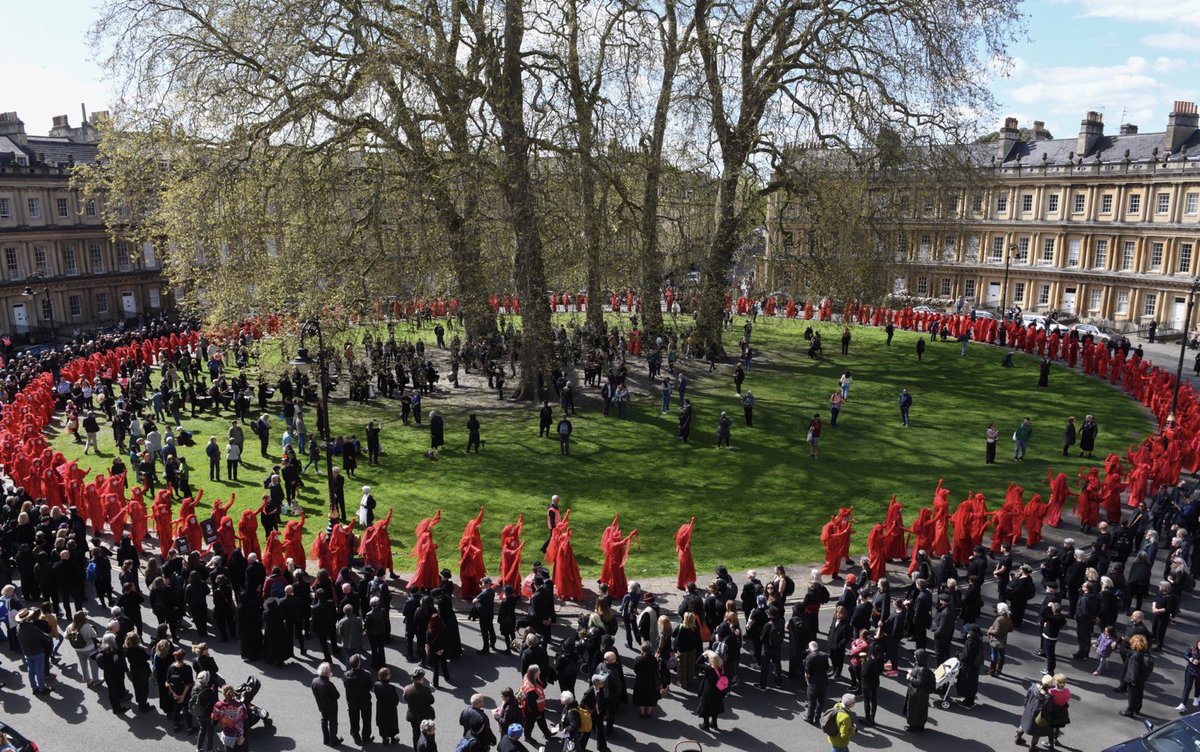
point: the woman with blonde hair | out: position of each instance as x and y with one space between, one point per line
687 646
664 653
713 685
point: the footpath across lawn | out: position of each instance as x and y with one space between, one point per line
759 503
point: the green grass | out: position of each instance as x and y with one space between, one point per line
762 502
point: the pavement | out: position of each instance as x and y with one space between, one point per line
76 718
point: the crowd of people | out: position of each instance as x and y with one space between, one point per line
904 609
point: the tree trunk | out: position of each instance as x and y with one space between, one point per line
509 106
464 257
714 280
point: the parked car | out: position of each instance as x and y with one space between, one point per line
1098 334
983 313
12 741
1050 325
925 309
1181 735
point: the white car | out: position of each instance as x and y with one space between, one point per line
1097 334
1043 323
925 309
982 314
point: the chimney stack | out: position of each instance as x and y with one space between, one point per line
61 127
1181 124
1039 131
13 127
1128 129
1010 136
1091 130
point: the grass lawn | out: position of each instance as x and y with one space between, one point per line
760 503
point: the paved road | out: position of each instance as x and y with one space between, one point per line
74 718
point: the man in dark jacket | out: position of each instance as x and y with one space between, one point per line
358 683
475 724
36 647
541 610
943 627
921 610
326 694
485 602
377 625
1136 626
1087 614
816 674
419 699
324 623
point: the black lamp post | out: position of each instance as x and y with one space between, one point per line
30 292
304 363
1012 247
1183 349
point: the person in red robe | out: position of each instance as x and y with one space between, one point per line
189 528
221 511
962 548
835 535
893 531
248 533
1035 515
1087 507
616 555
273 552
941 521
511 546
877 546
567 582
376 545
427 575
471 567
424 526
923 531
683 550
115 513
163 524
293 541
1059 493
341 544
138 521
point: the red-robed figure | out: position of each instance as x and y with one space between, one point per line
273 552
293 541
1035 515
877 551
941 521
376 545
511 546
427 575
471 568
835 534
683 550
567 581
248 533
893 532
616 554
1060 491
924 528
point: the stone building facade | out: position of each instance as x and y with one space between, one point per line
59 268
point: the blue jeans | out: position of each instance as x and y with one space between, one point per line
845 391
666 403
964 349
839 749
36 666
904 415
300 444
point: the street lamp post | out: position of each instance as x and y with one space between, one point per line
304 363
1012 247
1183 349
31 293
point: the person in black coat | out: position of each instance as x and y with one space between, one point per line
872 672
685 421
275 635
324 623
437 430
1138 668
711 702
326 693
137 660
250 626
359 683
419 699
646 685
971 658
943 627
113 667
387 702
816 677
485 612
920 684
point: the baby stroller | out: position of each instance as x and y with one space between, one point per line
945 677
246 692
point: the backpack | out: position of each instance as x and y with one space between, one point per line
775 634
789 586
829 722
585 720
465 744
564 429
76 639
278 589
194 703
90 573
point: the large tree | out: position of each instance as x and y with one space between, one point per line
838 73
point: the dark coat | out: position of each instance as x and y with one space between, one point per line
916 703
419 698
326 693
387 715
646 685
711 700
1034 698
437 435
